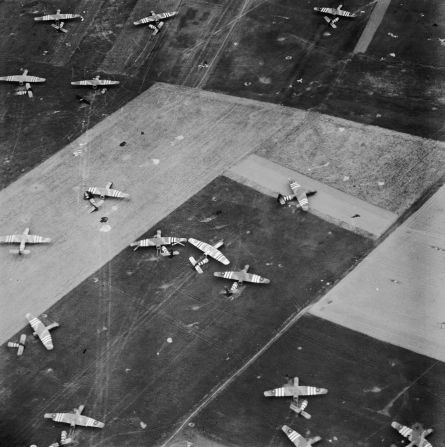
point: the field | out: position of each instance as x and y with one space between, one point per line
211 117
253 49
145 339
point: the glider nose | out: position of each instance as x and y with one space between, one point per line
269 393
265 281
396 425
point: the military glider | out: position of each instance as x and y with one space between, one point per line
58 18
416 434
42 331
95 82
208 250
156 21
102 193
20 345
160 243
24 80
298 193
297 439
75 418
23 239
294 390
64 440
239 277
336 12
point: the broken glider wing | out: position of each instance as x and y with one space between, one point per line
209 250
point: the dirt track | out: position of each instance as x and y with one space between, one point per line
330 204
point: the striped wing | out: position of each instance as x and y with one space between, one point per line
89 422
115 193
294 437
35 239
299 194
169 240
403 430
65 418
250 277
284 391
335 12
41 331
22 79
108 192
11 239
209 250
102 82
155 18
234 276
331 11
144 243
148 19
342 13
32 79
69 16
89 82
166 15
311 391
95 82
56 17
242 276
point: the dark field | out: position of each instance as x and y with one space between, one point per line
270 51
370 385
113 351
